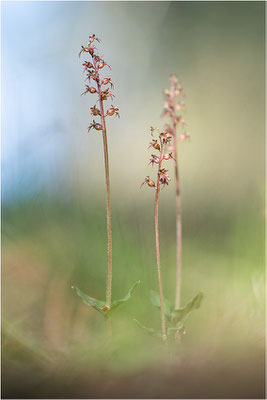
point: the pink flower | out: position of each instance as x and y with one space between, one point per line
164 178
95 111
183 137
90 49
92 38
95 125
154 160
148 182
154 144
180 120
113 110
168 156
105 81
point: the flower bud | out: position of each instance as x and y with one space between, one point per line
92 90
95 111
98 127
151 183
101 64
183 137
179 106
167 156
105 309
105 81
148 182
111 111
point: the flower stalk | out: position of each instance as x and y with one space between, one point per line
173 317
171 109
162 180
93 73
102 89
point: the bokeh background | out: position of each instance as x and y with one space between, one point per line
53 200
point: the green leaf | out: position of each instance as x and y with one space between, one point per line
155 300
90 301
117 303
180 315
150 331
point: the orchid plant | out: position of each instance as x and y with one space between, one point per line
166 146
173 104
102 89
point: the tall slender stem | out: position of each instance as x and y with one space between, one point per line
162 311
178 201
178 225
109 253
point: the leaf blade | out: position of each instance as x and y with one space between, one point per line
118 303
155 300
150 331
180 315
90 301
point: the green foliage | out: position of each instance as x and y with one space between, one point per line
155 300
90 301
118 303
100 305
181 314
150 331
175 317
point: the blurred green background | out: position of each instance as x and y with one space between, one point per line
53 200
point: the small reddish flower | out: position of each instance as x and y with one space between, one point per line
164 178
89 90
180 121
95 111
90 49
178 91
154 160
106 93
92 75
152 129
95 125
105 81
183 137
102 63
168 156
167 110
87 65
113 110
179 106
165 138
154 144
173 78
148 182
92 38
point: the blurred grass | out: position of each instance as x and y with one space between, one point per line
48 245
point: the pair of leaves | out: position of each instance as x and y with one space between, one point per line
155 300
100 305
179 316
175 316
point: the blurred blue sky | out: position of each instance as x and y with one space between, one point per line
42 81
